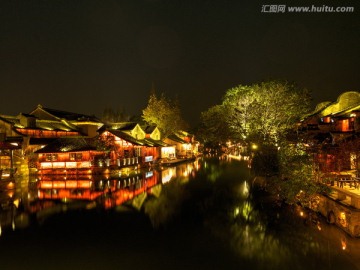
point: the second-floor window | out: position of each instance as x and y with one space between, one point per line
75 156
352 124
51 157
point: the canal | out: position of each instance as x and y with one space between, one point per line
201 215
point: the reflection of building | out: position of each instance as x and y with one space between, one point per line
7 150
108 192
48 194
182 171
168 174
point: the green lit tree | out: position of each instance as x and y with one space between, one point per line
266 111
298 181
262 116
238 103
165 114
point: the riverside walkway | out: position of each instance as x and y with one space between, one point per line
346 188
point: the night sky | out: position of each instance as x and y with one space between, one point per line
84 56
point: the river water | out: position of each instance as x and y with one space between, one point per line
201 215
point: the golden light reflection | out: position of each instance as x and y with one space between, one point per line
343 244
236 211
10 185
168 174
16 202
246 211
245 189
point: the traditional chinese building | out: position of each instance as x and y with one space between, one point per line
41 127
133 145
332 133
184 143
69 156
154 144
87 125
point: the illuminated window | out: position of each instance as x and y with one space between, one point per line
352 124
51 157
326 119
75 156
345 125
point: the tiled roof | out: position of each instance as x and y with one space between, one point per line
348 110
126 137
71 116
154 143
41 141
58 125
10 119
8 145
72 145
176 138
55 125
124 125
149 129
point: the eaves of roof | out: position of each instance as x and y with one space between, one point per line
64 145
155 143
126 137
176 139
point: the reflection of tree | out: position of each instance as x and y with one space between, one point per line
253 228
244 229
257 231
273 237
166 206
251 238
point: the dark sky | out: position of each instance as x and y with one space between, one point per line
85 55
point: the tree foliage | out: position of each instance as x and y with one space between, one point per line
265 111
239 103
297 179
213 129
261 115
163 113
112 116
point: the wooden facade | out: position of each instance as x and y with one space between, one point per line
72 156
332 133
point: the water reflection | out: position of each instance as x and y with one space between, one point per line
272 236
192 207
261 232
22 199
